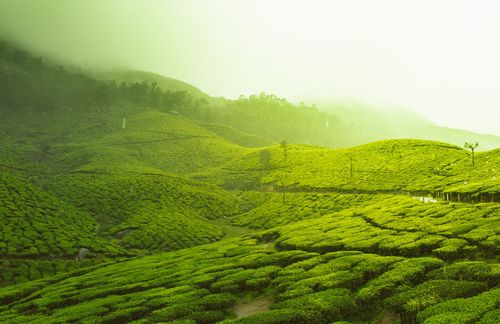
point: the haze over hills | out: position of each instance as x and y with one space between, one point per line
138 198
360 123
250 162
371 124
162 81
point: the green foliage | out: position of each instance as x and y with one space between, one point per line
148 212
237 137
386 166
470 270
35 223
324 306
432 292
275 118
347 244
462 310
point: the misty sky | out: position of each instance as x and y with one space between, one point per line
440 58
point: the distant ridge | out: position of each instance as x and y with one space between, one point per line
163 82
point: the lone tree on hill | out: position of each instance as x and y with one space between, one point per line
472 147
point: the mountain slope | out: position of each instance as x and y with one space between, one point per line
367 124
163 82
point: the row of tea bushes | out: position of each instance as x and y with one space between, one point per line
399 225
147 211
35 223
203 284
21 270
392 165
270 210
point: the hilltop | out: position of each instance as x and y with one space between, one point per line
163 82
394 166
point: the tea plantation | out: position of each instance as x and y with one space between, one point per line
119 203
326 246
204 284
388 166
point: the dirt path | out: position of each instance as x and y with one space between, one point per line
388 318
229 229
249 307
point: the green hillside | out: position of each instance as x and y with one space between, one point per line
323 270
237 137
140 200
147 211
394 166
41 234
163 82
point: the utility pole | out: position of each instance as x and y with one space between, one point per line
283 192
350 164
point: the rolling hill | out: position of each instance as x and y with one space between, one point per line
128 201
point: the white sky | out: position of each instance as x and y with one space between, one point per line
440 58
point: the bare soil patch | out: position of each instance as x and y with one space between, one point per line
245 308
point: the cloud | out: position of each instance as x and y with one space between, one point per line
438 58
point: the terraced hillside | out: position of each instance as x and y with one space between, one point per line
237 137
343 266
120 180
42 235
389 166
118 183
148 211
117 206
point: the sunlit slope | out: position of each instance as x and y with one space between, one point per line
342 266
170 143
384 224
272 208
150 142
484 177
401 226
385 166
240 138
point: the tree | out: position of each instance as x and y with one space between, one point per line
284 147
472 147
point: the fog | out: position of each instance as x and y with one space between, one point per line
439 58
